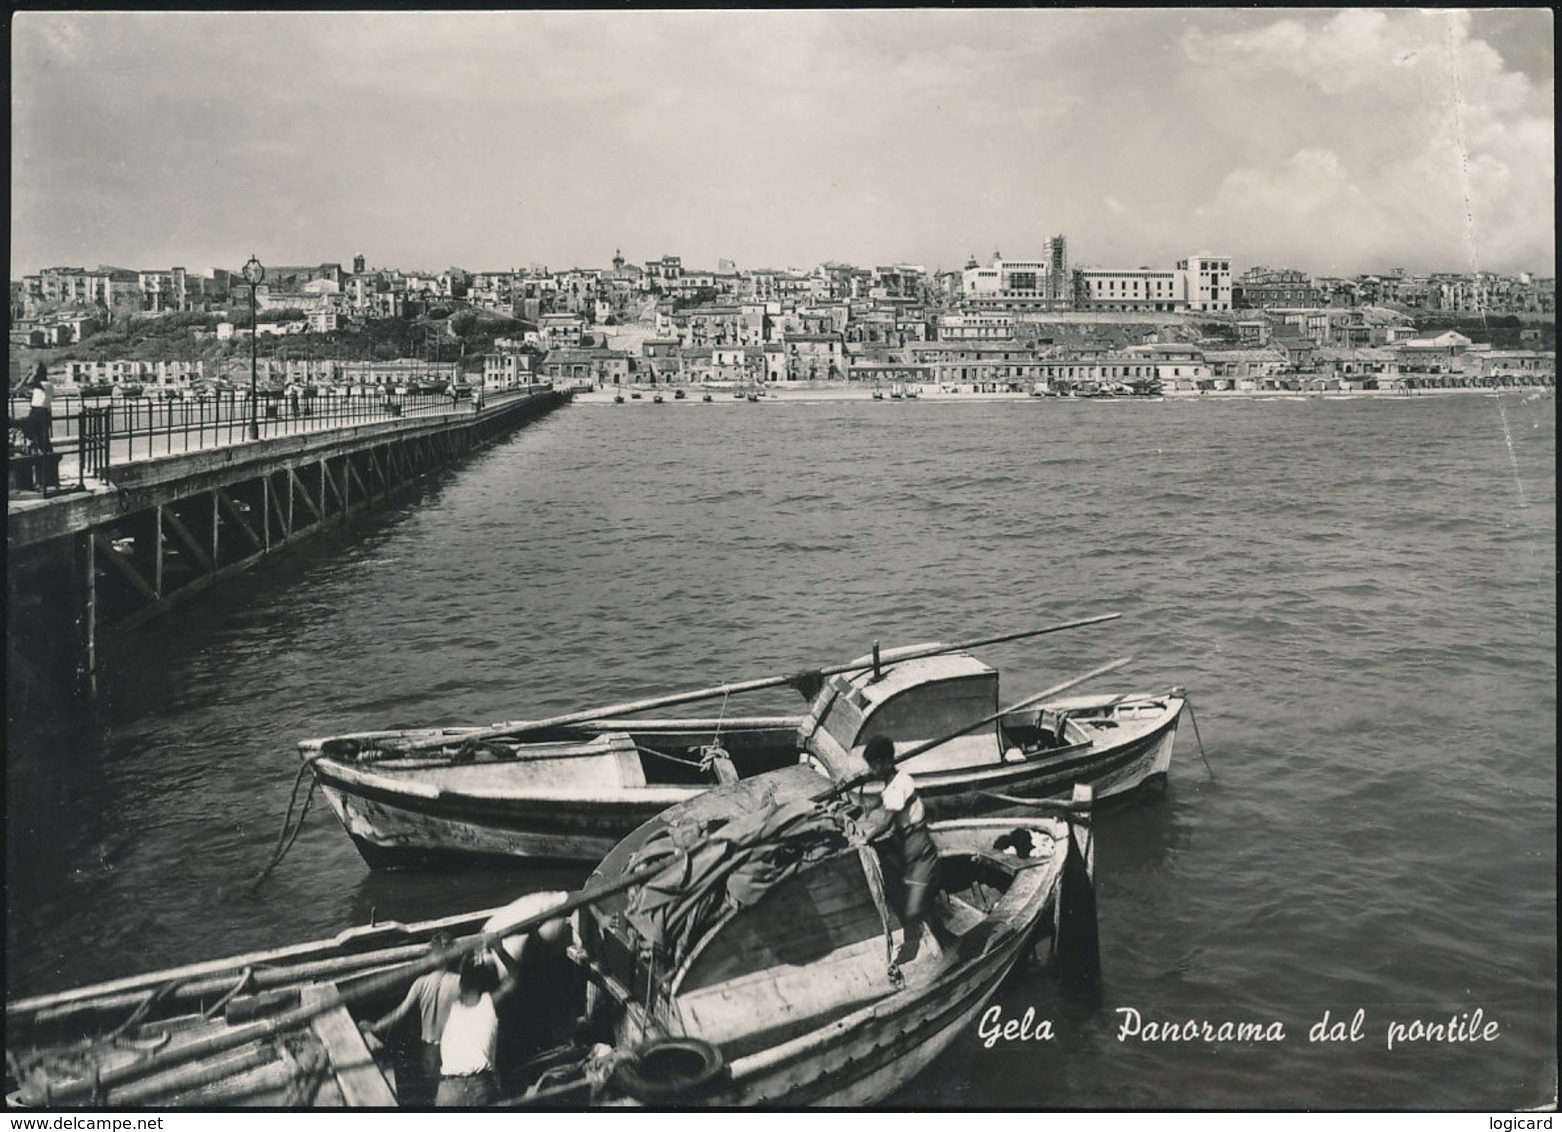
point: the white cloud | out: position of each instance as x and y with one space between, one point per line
1408 139
1340 136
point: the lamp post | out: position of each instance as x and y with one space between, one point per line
253 274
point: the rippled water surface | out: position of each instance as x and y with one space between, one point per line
1359 596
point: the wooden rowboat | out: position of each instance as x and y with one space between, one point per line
571 787
266 1029
780 990
738 951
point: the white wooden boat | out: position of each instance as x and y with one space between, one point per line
571 787
738 948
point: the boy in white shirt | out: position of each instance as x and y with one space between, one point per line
903 810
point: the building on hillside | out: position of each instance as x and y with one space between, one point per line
777 286
661 274
1139 289
709 326
1037 284
902 281
1208 282
163 292
1259 288
1254 331
561 331
814 357
973 327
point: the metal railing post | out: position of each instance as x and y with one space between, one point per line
92 430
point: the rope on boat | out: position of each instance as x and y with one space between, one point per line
1199 737
217 1007
722 718
698 764
650 992
153 997
875 874
285 838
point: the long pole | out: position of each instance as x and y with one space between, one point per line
254 334
520 727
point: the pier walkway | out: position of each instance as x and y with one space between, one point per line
165 503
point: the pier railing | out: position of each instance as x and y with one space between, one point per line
91 434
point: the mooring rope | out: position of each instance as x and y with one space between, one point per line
1200 738
285 838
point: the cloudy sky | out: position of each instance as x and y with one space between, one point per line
1335 141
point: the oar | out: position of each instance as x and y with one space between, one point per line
105 1081
922 748
519 727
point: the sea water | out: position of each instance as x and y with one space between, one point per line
1346 899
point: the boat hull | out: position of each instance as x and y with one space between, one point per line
1112 770
393 827
397 821
868 1063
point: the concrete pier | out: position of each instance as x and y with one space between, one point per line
147 534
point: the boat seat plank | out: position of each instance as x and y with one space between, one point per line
784 997
359 1078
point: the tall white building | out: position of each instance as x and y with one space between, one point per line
1208 281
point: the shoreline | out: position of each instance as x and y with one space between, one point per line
785 394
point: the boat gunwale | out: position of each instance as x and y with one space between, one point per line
1015 921
596 729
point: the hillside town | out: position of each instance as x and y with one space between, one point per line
1034 325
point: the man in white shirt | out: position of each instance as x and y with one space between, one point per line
471 1037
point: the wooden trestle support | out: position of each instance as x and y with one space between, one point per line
97 564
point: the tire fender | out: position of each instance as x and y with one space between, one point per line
671 1069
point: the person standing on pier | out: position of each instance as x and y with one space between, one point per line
40 413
